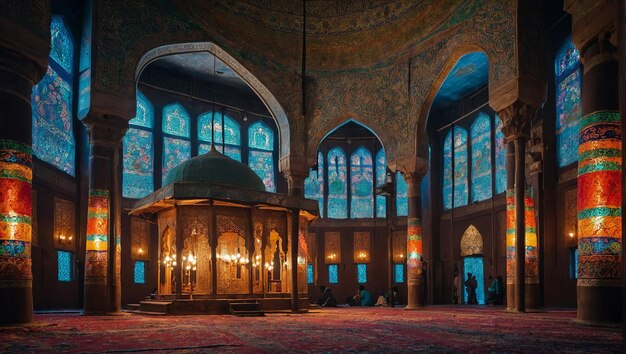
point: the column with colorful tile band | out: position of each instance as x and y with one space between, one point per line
96 257
414 248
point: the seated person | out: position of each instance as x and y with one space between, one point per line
366 297
395 296
327 299
382 301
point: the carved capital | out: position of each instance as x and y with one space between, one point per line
590 18
105 130
516 120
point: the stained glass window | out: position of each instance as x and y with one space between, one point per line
261 157
480 133
500 158
447 172
573 269
402 194
138 154
381 179
361 271
227 134
84 78
333 274
175 151
51 100
568 103
361 184
310 278
337 184
140 272
398 272
460 166
314 184
176 120
474 265
64 266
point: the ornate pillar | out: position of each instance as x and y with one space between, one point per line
510 226
103 236
622 105
414 244
295 181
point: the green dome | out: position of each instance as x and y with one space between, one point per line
214 167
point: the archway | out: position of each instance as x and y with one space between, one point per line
471 251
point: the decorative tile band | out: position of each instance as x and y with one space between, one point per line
15 214
97 237
599 199
531 259
414 248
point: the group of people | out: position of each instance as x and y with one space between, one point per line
495 292
361 298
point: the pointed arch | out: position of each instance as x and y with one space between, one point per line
471 242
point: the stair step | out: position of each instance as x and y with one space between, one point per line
133 306
243 308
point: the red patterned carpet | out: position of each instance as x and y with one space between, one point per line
435 329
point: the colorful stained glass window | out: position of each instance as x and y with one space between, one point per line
310 276
64 266
460 167
144 115
333 274
261 156
402 196
381 180
176 120
500 158
175 151
361 273
337 184
474 265
568 103
361 184
137 152
139 272
51 101
480 133
314 184
84 70
398 273
227 134
447 172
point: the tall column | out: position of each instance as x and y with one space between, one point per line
414 245
622 107
295 180
17 77
510 226
103 236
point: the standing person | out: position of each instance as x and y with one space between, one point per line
500 294
474 285
492 291
468 288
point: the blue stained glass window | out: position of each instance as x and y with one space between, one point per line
231 151
333 274
381 179
500 158
568 103
474 265
567 58
175 151
138 153
310 277
144 116
361 271
227 135
314 184
361 184
402 196
51 101
447 172
337 184
460 166
398 273
140 272
84 79
176 120
64 266
480 133
261 157
573 270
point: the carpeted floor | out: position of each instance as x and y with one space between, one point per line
435 329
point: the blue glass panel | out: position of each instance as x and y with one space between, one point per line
233 152
569 113
567 58
402 194
260 136
205 128
361 271
474 265
398 272
64 266
460 167
62 51
175 120
361 184
262 162
381 179
140 272
144 116
310 278
333 274
481 158
175 151
137 154
447 172
573 272
314 184
84 79
500 158
337 184
53 137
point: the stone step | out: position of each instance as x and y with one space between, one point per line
155 306
246 308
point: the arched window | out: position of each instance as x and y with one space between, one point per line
402 200
314 184
500 158
480 133
568 103
447 172
138 153
460 166
381 179
361 184
337 184
175 126
51 100
260 155
227 139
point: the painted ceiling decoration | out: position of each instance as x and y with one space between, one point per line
469 74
